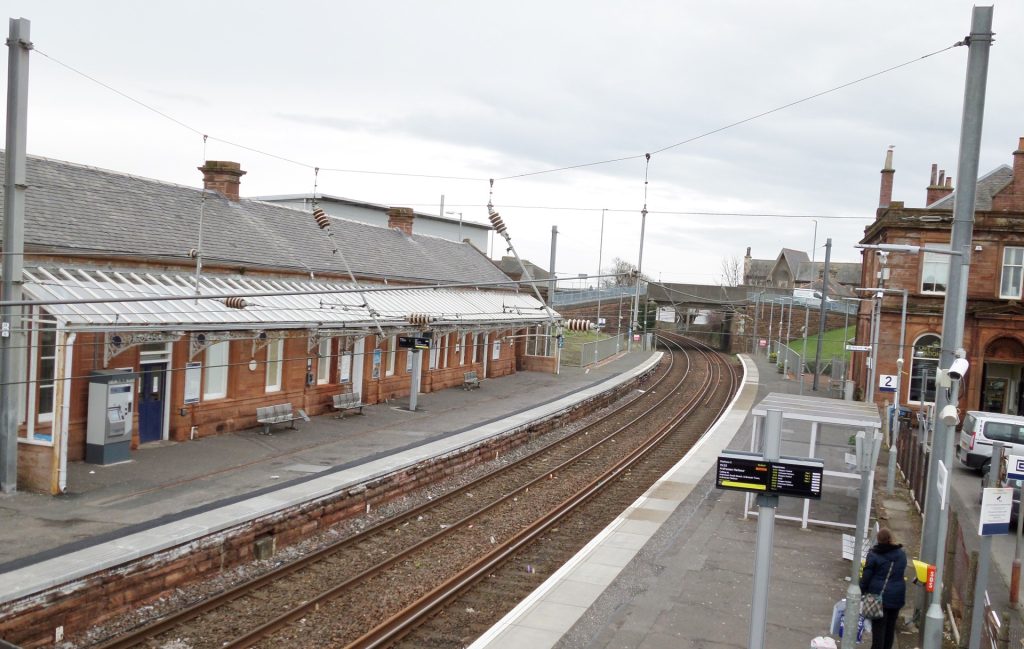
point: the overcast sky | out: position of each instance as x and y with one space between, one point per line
495 89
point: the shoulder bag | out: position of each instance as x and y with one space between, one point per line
871 604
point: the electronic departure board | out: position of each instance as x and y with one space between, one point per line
787 476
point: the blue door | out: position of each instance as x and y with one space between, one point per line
151 402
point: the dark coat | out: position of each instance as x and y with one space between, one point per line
875 569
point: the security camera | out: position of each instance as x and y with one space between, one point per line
949 415
958 369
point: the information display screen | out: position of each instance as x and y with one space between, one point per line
743 473
799 477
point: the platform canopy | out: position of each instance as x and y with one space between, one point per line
99 300
823 410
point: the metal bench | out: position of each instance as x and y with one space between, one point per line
469 381
279 414
345 402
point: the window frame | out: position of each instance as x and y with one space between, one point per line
323 361
223 364
1019 267
389 370
914 374
275 365
931 260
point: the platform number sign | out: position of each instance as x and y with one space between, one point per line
887 383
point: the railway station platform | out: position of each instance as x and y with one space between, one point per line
674 571
170 493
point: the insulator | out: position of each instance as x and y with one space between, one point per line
578 325
193 253
419 319
234 302
499 225
321 218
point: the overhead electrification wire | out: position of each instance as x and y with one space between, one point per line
511 176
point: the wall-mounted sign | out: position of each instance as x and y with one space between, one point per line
413 342
887 383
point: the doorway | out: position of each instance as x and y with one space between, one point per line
1001 388
151 402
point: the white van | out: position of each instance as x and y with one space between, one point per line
980 429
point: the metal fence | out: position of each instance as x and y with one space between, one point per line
999 629
593 352
563 297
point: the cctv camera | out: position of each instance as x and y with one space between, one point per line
958 369
949 415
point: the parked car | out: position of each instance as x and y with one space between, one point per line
980 429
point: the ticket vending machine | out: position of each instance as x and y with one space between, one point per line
108 434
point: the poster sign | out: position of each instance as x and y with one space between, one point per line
376 364
346 368
996 504
193 378
1015 467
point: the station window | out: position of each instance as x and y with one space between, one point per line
1010 281
215 374
275 350
323 361
935 271
392 350
46 342
476 346
923 367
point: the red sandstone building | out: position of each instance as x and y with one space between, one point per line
284 322
994 325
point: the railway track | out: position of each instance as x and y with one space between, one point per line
398 571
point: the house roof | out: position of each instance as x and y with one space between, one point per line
760 267
511 267
846 272
367 205
107 300
76 209
793 258
988 186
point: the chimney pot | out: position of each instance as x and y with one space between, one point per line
935 168
401 218
222 176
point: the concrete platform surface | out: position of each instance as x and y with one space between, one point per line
247 471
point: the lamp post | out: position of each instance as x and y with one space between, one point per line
460 224
895 430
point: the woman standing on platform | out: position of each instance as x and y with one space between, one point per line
883 575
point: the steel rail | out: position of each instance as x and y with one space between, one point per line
178 618
405 621
305 608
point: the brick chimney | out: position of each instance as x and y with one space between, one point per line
1011 198
401 218
222 176
939 187
885 193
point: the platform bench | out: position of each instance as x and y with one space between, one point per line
279 414
345 402
469 381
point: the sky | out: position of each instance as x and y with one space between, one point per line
471 91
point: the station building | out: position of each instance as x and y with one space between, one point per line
216 305
994 324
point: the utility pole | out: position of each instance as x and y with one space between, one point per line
822 314
933 533
12 336
552 284
639 273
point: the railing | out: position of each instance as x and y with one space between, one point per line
593 352
563 297
834 306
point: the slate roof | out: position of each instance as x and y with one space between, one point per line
72 208
794 258
846 272
988 186
759 268
511 267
